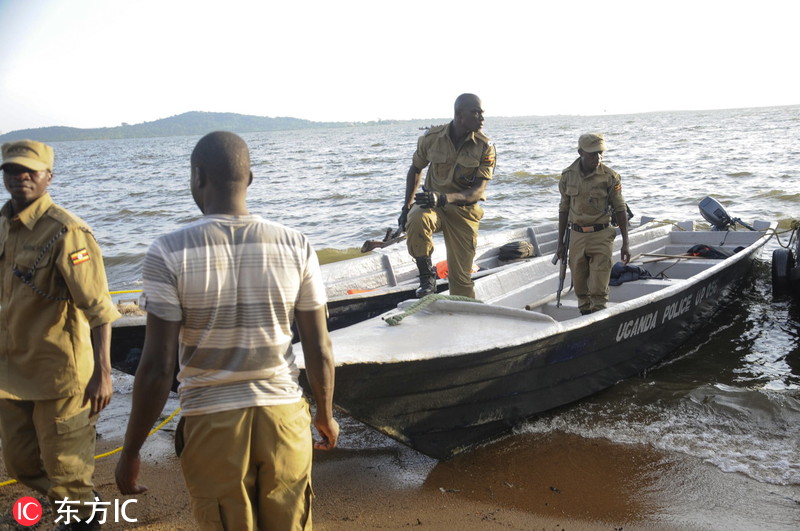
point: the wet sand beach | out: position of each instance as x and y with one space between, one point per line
550 482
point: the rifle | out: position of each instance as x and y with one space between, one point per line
562 275
392 236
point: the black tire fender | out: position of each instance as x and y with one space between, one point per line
794 280
782 263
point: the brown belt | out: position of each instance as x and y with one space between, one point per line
590 228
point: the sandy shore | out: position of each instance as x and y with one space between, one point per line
550 482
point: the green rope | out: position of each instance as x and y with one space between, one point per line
424 302
777 234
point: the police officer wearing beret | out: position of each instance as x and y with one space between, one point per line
591 193
460 161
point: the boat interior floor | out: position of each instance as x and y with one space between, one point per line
664 258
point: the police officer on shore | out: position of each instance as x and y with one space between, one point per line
460 161
55 336
591 193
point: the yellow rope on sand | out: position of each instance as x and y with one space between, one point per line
427 300
116 450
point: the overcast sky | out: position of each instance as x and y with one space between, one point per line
98 63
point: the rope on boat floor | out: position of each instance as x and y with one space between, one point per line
115 450
424 302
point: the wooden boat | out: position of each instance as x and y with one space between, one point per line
358 288
453 374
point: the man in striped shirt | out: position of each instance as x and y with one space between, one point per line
223 292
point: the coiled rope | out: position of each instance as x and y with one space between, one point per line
424 302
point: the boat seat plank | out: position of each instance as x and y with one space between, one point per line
678 250
717 239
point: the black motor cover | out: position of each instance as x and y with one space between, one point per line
715 214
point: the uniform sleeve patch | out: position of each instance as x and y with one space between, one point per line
488 158
79 257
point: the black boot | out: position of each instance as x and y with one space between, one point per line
427 276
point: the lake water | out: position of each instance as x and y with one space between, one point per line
731 396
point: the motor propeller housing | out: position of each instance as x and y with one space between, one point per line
715 214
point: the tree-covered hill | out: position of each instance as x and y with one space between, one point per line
190 123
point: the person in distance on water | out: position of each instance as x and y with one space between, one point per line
223 292
591 193
55 337
460 161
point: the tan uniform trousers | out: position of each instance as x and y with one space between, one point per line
49 446
590 264
459 225
249 468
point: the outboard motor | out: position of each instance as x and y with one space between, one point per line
715 214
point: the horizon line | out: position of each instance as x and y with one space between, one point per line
377 120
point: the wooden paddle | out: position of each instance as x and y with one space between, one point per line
662 257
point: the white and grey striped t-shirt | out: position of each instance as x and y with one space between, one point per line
234 282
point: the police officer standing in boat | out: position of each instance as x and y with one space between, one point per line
591 193
461 160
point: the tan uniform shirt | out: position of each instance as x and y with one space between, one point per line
45 324
454 168
587 199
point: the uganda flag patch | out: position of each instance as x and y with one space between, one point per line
79 257
488 159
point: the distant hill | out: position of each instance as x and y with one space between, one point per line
190 123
